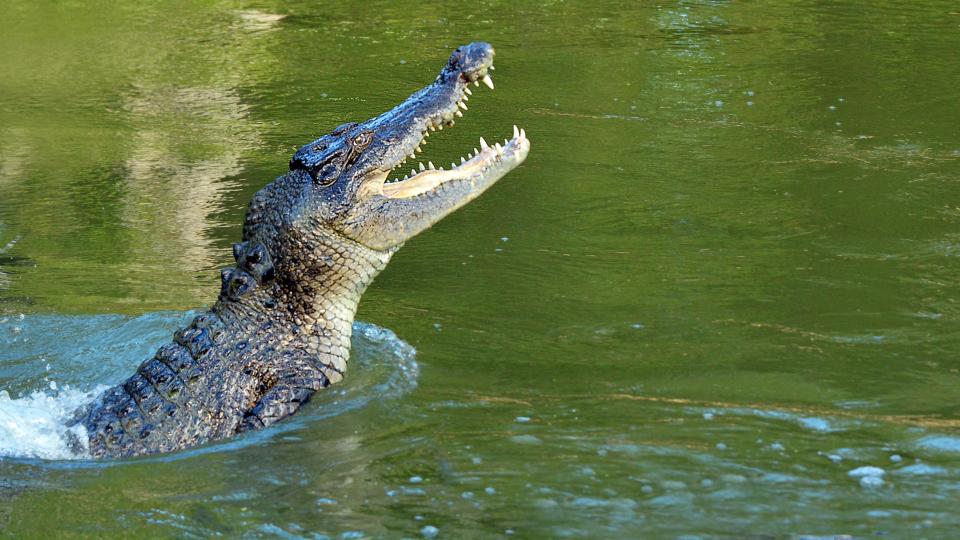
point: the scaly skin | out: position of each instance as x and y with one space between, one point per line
313 240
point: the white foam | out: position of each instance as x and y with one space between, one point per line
34 426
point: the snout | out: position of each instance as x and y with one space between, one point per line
472 61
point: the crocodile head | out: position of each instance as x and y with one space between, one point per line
359 188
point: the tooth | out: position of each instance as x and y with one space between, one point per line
523 134
453 165
465 98
413 172
417 149
467 90
483 144
430 165
476 83
462 105
515 131
462 160
458 113
488 81
498 147
440 127
411 156
434 129
422 168
475 151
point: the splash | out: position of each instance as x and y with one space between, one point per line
88 354
34 426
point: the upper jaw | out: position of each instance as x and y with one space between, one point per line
405 130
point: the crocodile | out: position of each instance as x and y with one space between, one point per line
312 241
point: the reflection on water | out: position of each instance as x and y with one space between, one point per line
718 299
191 189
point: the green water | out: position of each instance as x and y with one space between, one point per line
725 277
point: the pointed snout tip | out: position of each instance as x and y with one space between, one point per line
474 58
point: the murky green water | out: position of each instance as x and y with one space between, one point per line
724 280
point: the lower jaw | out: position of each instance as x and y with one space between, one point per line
480 162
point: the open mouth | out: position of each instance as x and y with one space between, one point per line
486 159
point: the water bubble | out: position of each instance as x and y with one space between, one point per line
866 470
922 469
749 104
832 107
718 103
721 446
871 482
489 490
522 419
415 479
896 458
429 531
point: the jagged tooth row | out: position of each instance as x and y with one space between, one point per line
431 127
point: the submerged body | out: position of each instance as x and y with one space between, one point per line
313 240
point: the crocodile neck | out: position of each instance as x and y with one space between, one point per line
303 304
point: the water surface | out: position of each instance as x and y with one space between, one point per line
719 299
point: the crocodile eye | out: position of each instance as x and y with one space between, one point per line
363 139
